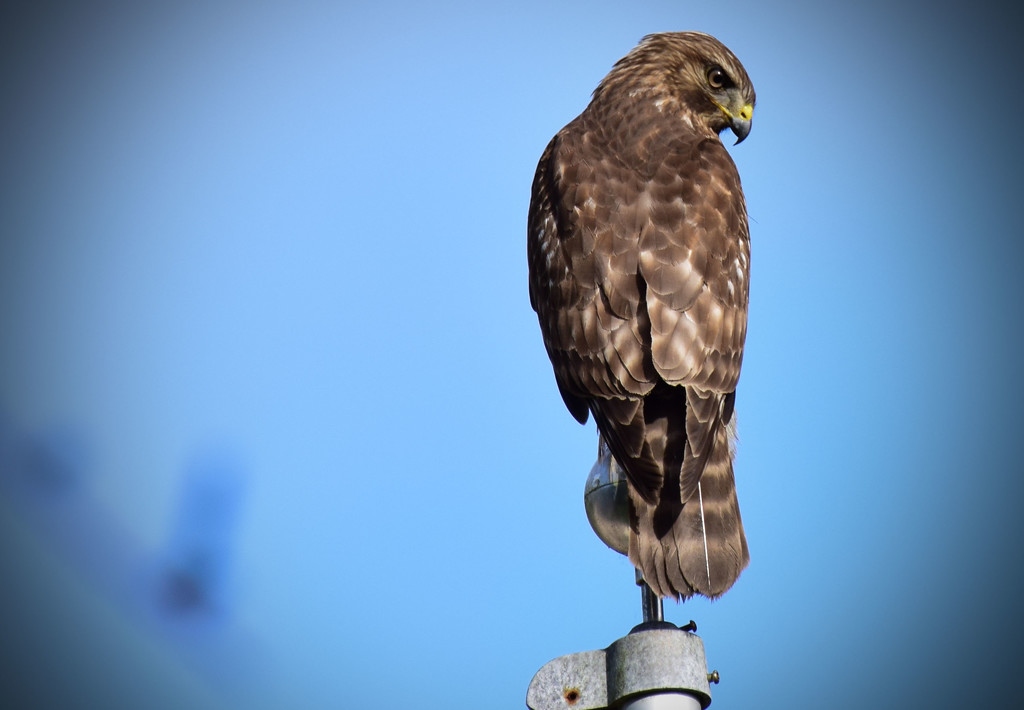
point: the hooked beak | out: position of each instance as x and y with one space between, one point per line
741 128
740 122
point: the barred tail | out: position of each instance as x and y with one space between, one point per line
704 550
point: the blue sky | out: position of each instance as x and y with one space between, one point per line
287 241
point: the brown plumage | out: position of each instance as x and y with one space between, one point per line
639 258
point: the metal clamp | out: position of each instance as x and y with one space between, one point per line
656 666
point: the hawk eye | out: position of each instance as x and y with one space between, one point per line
718 79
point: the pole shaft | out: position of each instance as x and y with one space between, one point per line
652 605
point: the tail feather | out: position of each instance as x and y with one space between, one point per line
705 549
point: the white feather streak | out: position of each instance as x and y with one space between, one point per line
704 531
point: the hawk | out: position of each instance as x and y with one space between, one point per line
639 256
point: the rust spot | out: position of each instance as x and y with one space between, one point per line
571 695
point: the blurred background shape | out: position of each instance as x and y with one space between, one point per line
91 614
196 575
50 465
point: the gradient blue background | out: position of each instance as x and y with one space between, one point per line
288 238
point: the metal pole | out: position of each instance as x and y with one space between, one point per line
664 701
654 611
653 607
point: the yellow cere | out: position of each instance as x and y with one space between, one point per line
745 113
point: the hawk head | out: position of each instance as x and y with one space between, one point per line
689 73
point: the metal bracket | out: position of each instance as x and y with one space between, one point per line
657 665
